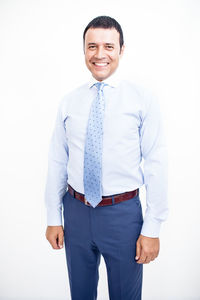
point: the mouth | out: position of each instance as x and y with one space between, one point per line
103 64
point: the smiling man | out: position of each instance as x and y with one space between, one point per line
103 131
102 51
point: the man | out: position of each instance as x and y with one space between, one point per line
103 130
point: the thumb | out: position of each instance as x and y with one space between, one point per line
60 240
138 250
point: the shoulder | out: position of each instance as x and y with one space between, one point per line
144 95
82 89
133 87
71 96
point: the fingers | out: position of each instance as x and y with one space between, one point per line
145 258
138 250
54 243
142 258
148 260
60 240
54 235
147 249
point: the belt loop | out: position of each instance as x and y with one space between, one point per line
113 200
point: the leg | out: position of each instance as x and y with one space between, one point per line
82 255
124 274
83 271
117 229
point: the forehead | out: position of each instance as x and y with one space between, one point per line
102 35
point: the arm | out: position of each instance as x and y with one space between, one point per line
56 182
154 153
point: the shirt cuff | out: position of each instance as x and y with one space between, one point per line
151 227
54 217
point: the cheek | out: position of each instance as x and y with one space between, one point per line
114 62
87 57
114 58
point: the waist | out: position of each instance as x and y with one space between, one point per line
106 200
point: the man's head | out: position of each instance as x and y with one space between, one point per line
103 46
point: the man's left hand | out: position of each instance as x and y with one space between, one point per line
147 249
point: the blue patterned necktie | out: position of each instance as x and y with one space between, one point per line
93 149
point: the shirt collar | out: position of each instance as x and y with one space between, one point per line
112 81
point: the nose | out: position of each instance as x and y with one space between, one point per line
100 53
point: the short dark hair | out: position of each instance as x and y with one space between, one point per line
105 22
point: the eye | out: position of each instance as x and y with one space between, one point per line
92 47
109 47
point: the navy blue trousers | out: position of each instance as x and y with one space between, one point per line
110 231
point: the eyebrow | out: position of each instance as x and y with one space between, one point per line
112 44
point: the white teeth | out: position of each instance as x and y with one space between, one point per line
101 64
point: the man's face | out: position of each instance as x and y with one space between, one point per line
102 51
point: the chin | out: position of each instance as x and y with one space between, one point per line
99 77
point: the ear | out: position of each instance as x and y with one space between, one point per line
122 51
84 47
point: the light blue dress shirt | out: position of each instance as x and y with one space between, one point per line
133 136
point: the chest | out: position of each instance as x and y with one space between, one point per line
122 117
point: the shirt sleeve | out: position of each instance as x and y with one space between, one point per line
56 182
154 153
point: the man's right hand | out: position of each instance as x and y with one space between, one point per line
55 236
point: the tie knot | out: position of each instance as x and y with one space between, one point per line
100 86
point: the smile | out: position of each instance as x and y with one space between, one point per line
100 64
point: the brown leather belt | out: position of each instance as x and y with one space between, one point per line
106 200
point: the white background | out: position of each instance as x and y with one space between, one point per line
41 59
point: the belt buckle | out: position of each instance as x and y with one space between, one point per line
85 201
